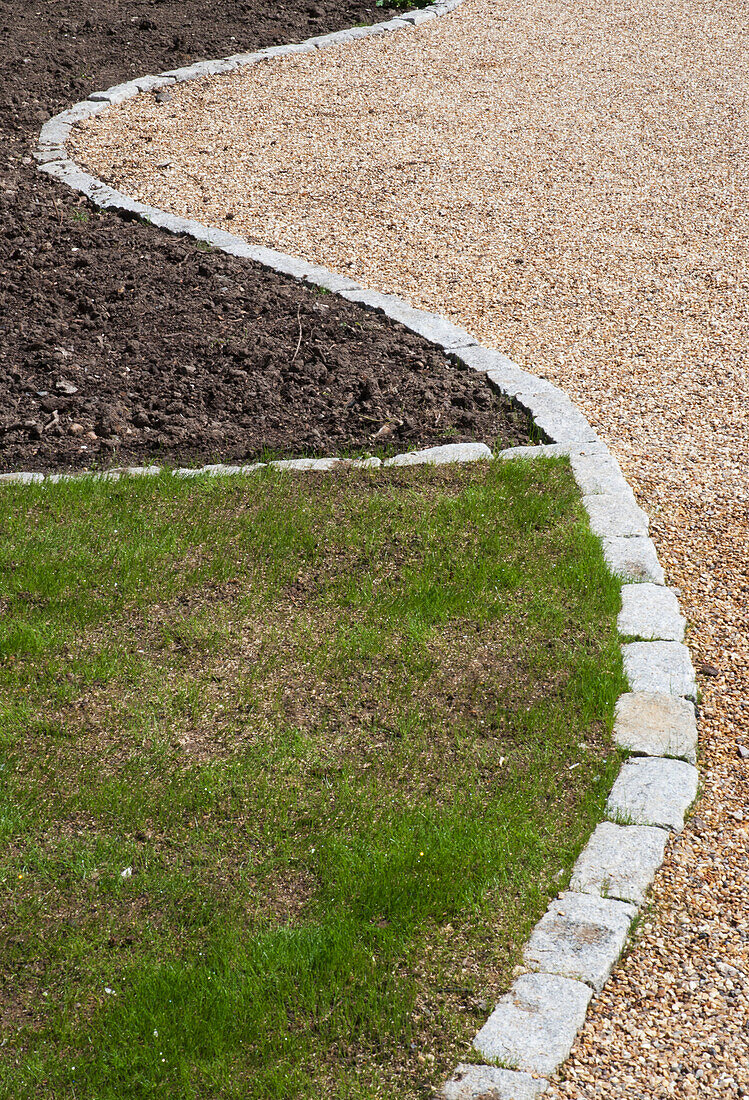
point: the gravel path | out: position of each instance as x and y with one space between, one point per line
569 182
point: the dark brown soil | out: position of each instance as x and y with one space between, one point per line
119 344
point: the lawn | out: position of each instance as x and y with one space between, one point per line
290 767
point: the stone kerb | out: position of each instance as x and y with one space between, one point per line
578 940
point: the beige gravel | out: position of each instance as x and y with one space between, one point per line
571 183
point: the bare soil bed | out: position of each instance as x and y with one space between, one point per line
119 344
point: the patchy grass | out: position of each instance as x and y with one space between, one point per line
290 766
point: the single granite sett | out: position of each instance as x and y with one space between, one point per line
633 559
534 1025
615 514
662 667
556 417
599 474
431 326
620 861
653 791
554 450
655 724
650 612
580 936
502 373
436 456
491 1083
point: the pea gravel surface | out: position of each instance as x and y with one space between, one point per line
570 182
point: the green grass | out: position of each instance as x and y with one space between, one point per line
347 734
406 5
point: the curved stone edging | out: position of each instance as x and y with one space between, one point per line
577 942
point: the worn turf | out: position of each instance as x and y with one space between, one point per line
290 767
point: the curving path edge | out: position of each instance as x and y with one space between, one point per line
576 944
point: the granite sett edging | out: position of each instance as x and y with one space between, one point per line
577 942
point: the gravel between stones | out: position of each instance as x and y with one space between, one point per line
566 183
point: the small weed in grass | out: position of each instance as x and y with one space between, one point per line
290 767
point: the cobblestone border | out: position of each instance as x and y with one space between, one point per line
577 942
